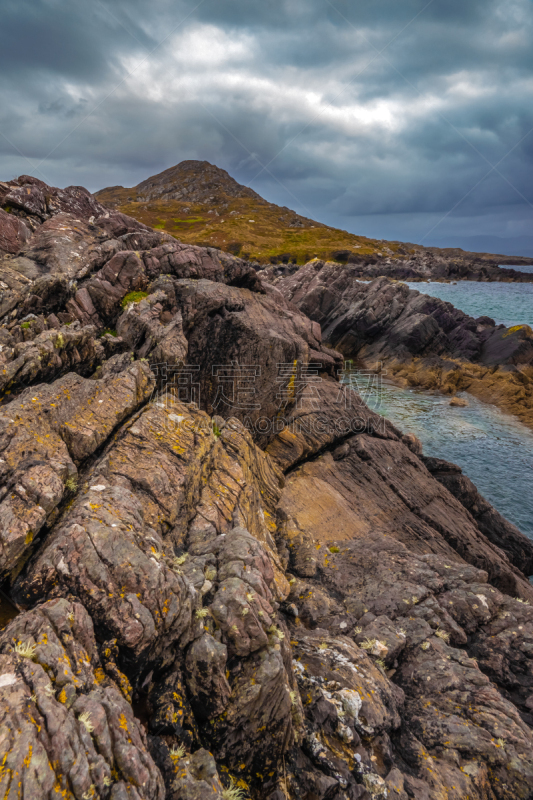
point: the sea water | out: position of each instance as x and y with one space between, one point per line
492 448
507 303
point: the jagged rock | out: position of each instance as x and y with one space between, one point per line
66 727
491 523
375 484
45 435
13 233
48 356
425 340
351 677
197 778
141 328
229 326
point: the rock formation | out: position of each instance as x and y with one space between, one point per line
230 578
423 341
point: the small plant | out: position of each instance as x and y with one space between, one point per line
425 645
49 690
323 646
357 630
157 554
202 613
334 550
178 561
33 698
276 632
70 616
367 644
71 484
177 752
249 597
216 430
245 611
210 574
294 697
233 792
89 794
414 600
25 649
109 332
380 663
85 720
444 635
25 325
500 742
133 297
107 781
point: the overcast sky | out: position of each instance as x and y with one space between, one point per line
400 119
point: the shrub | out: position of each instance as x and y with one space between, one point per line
341 255
71 484
234 248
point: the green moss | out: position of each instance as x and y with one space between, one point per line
133 297
110 331
25 325
334 550
216 430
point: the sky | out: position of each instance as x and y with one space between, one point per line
406 120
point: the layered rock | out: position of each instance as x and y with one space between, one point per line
423 340
282 601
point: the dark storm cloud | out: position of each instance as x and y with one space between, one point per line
350 112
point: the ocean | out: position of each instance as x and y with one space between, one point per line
507 303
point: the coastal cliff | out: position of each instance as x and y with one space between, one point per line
229 577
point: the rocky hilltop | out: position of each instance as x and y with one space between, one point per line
223 575
201 204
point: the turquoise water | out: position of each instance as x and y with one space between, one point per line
510 303
492 448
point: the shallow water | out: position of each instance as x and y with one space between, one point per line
492 448
507 303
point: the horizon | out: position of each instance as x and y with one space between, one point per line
410 123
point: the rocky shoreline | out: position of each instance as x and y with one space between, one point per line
231 578
422 341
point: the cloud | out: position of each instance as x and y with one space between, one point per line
367 114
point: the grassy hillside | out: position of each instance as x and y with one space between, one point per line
245 225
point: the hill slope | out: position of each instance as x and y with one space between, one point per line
199 203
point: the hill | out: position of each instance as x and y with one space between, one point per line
199 203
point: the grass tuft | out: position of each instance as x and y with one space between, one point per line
25 649
177 752
85 720
232 792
